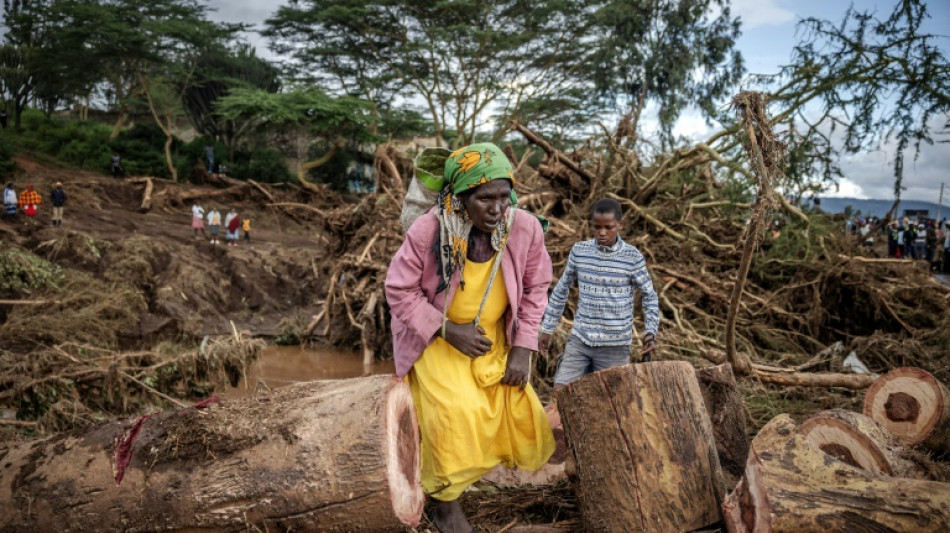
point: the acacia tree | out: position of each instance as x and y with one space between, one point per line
307 113
218 71
459 58
670 52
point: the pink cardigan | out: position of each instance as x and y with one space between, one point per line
413 278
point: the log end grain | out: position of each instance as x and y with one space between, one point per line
913 405
402 449
859 442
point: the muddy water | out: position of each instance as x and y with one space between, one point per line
284 365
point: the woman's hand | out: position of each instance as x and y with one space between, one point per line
467 338
519 363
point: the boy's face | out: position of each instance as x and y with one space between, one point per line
605 227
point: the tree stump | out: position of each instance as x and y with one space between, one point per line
859 441
643 449
727 413
913 405
792 486
322 456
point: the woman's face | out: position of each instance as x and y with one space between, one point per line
488 203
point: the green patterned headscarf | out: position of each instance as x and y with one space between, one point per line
462 170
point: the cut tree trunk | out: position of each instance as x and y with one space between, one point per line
727 413
913 405
792 486
643 449
859 441
322 456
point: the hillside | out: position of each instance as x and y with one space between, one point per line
880 208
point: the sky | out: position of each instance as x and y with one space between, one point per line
768 35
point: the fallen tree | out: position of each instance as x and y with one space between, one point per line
792 486
321 456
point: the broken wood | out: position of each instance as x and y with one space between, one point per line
789 377
555 154
910 403
321 456
859 441
792 486
146 204
727 413
643 448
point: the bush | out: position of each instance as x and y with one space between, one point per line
6 158
80 143
260 164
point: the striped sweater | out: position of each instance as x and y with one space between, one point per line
606 279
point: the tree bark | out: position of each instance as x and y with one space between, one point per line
727 413
913 405
322 456
859 441
643 449
792 486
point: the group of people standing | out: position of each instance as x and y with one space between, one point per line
232 224
29 201
468 290
920 241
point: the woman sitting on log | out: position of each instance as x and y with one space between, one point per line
463 335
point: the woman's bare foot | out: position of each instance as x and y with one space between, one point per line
449 518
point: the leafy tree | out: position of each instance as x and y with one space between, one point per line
855 84
304 113
461 58
670 52
217 72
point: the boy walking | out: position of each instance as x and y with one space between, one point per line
608 271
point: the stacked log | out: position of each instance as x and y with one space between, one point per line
792 486
643 449
323 456
912 405
858 441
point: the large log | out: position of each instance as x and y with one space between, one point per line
727 413
792 486
322 456
859 441
913 405
643 449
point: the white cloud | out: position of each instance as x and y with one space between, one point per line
761 13
846 189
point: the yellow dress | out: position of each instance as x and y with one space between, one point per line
469 421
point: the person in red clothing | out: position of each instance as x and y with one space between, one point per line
30 201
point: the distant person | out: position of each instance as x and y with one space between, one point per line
232 222
58 198
30 201
920 242
117 170
209 155
246 228
816 203
892 239
608 272
946 253
197 220
9 202
930 242
214 224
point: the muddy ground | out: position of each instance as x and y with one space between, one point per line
122 305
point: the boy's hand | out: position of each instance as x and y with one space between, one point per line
544 340
467 338
649 347
518 369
